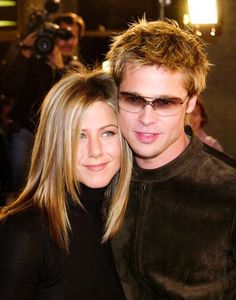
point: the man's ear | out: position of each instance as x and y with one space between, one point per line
191 104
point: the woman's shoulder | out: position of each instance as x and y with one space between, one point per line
29 216
28 257
28 227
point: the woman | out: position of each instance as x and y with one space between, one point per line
53 238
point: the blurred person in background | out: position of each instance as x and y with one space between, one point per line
198 119
69 47
27 77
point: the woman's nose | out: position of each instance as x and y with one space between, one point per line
95 148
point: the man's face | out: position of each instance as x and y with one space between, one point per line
154 139
68 47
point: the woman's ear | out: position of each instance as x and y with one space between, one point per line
191 104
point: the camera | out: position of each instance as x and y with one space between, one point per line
47 31
46 35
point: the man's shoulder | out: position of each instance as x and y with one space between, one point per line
220 157
213 171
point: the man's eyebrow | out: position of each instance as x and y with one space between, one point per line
162 96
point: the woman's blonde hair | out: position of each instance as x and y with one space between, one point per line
53 173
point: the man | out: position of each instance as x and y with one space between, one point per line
27 78
178 239
69 47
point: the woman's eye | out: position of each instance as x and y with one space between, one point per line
82 136
109 133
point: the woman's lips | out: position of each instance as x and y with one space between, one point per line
96 167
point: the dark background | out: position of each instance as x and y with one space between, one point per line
106 17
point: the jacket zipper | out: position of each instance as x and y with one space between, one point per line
136 243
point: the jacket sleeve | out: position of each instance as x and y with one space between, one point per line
20 255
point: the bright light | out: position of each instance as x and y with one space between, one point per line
106 66
186 19
203 11
7 3
7 23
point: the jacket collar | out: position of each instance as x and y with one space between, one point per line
174 167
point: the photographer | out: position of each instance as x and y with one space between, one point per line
75 25
29 75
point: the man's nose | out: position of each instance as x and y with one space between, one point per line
147 115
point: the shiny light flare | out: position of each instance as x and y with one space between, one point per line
7 3
106 66
7 23
203 11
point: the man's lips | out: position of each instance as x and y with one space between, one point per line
147 137
96 167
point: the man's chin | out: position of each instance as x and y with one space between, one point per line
146 155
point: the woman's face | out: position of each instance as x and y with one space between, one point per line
99 149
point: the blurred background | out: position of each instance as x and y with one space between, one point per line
105 18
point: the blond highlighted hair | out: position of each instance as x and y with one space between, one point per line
53 173
162 43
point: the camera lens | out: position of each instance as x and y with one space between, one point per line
44 44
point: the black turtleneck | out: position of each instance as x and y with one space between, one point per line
33 267
92 199
90 261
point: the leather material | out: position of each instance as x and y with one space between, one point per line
178 239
